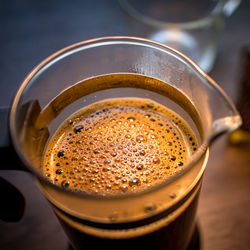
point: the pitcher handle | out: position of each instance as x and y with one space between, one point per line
13 202
9 159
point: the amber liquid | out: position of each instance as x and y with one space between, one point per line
119 146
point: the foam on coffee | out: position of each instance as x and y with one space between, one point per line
118 145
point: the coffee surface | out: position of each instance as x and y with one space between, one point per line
118 146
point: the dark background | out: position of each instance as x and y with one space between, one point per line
32 30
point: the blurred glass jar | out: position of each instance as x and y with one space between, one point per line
190 26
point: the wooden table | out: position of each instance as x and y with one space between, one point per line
223 212
33 30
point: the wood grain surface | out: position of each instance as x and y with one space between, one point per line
32 30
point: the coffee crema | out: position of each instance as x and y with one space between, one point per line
118 145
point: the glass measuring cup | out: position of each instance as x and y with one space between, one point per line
192 27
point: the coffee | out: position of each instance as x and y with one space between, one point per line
118 146
116 139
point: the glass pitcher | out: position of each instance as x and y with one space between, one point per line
160 217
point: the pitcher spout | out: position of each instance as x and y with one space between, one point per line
218 114
224 125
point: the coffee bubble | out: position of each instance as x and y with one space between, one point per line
138 147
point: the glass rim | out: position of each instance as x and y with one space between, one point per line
201 150
200 22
